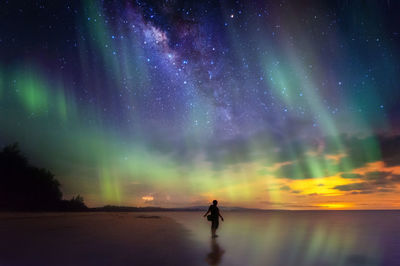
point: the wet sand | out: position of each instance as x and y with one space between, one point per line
93 239
282 238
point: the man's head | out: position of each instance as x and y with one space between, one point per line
215 202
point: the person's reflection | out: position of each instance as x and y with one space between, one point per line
215 256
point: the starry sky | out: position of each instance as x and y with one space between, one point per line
264 104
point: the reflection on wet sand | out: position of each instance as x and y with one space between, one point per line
215 256
296 238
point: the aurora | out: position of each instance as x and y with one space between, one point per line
266 104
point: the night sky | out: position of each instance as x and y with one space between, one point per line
266 104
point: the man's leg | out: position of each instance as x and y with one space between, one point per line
213 228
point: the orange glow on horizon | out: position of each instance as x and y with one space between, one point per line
320 186
344 205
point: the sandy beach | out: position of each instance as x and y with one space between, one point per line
93 239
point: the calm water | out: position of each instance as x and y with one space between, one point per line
297 238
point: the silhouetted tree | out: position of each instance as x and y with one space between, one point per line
74 204
24 187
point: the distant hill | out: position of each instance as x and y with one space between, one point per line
110 208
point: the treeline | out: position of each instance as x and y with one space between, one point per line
24 187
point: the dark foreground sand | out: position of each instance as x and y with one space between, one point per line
93 239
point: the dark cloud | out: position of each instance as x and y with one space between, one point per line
362 192
351 175
354 186
395 178
380 178
372 182
376 175
386 190
390 148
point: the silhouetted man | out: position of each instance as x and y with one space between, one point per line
214 217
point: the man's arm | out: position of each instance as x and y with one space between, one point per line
222 218
207 211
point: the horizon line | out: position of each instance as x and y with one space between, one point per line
244 208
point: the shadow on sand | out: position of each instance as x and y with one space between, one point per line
216 253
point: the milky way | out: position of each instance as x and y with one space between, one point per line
274 104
